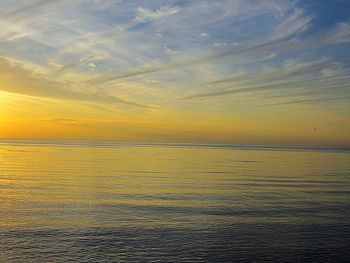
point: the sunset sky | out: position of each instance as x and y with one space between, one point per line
243 72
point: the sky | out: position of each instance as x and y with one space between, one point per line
242 72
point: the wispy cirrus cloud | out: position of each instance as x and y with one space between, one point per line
145 14
26 12
183 67
103 45
290 83
14 78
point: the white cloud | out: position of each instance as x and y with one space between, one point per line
220 44
92 65
144 14
190 43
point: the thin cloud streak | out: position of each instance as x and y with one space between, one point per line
316 100
207 59
18 80
299 77
283 43
126 40
29 12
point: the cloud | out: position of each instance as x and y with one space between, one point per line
92 65
144 14
311 101
192 45
220 58
339 34
61 120
14 78
69 66
30 11
279 38
290 81
278 42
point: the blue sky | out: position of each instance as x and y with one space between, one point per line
216 56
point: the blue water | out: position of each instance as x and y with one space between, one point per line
120 202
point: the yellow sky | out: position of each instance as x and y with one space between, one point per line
29 117
174 73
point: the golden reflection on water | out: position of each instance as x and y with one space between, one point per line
81 186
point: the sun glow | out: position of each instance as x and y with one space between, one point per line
110 80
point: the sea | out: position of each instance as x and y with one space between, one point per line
84 201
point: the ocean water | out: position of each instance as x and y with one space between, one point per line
110 202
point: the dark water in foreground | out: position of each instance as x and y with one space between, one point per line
90 202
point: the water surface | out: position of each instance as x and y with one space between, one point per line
109 202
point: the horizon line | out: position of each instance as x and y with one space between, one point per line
110 143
